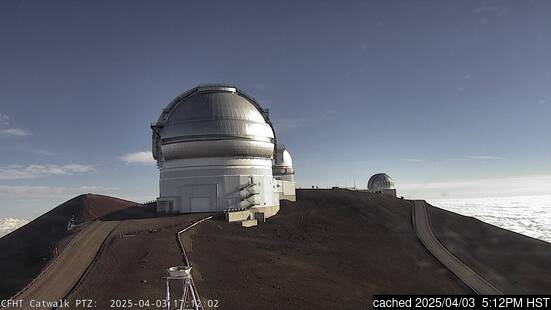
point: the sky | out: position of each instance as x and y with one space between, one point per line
450 98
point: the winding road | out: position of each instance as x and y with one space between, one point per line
439 251
59 278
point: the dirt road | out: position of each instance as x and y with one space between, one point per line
462 271
57 280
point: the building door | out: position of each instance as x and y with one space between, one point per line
200 204
200 198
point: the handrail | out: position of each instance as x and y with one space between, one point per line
184 255
180 242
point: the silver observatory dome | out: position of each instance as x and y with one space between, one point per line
283 164
380 181
283 158
213 121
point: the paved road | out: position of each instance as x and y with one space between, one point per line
462 271
56 281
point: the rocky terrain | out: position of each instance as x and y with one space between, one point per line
330 249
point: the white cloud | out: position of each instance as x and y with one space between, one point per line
44 152
42 192
8 225
17 172
8 131
413 160
493 187
4 120
15 132
29 148
144 158
484 157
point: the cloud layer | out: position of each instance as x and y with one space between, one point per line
4 120
493 187
14 132
484 157
143 158
42 192
17 172
8 225
8 131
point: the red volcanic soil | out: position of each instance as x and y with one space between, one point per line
97 206
332 249
514 263
25 251
134 259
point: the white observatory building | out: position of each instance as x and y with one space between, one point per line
284 174
215 147
381 182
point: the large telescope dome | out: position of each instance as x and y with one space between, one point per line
380 181
213 121
214 147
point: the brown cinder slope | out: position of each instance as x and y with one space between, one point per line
26 251
134 259
332 249
514 263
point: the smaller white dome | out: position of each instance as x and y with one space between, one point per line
283 157
283 164
380 181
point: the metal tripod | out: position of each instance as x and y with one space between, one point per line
190 297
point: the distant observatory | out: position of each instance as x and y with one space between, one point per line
283 171
381 182
216 150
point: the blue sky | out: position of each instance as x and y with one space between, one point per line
451 98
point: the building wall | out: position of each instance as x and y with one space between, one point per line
383 191
285 177
215 184
285 190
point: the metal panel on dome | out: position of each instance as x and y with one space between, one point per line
214 124
198 109
380 181
217 148
220 128
215 106
217 88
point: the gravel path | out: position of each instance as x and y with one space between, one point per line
57 280
462 271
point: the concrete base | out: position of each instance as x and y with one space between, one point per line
292 198
268 211
249 223
256 214
238 216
